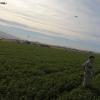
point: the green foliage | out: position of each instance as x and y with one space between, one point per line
30 72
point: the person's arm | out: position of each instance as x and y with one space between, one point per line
93 71
87 68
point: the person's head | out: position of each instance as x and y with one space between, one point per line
92 59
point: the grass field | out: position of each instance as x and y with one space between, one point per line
30 72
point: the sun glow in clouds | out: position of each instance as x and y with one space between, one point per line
76 21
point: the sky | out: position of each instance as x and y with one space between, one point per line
69 23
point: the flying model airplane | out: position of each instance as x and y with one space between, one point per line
3 3
76 16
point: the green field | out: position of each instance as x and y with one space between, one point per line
30 72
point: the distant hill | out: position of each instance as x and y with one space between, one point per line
6 36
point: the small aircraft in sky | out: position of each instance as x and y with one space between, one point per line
3 3
76 16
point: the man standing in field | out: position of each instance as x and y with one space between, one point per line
88 71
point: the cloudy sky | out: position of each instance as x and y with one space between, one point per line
70 23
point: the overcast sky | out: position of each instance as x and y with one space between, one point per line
72 23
